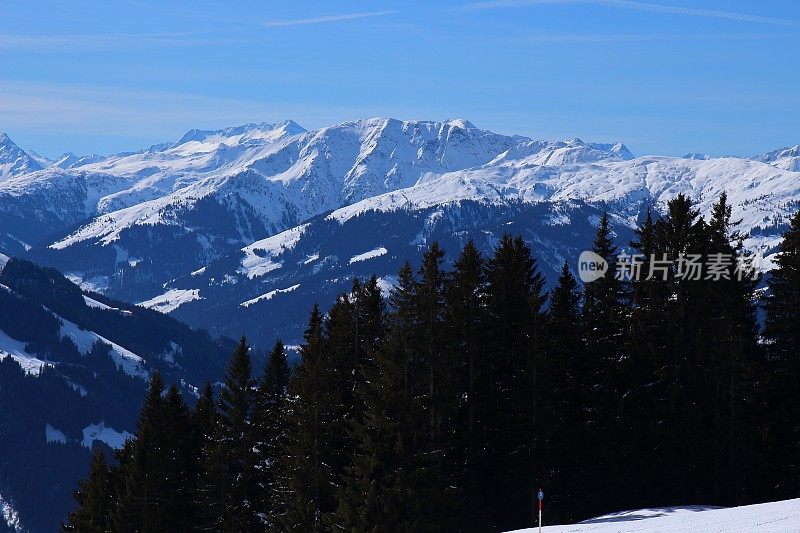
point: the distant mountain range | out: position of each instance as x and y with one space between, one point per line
245 221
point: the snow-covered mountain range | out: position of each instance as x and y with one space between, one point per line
275 211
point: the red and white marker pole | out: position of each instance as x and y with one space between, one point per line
541 497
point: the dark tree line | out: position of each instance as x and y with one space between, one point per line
444 407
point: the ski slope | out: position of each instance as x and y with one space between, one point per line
773 517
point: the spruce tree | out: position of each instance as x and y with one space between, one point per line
514 298
305 465
141 484
234 442
95 498
464 317
781 328
731 352
209 496
270 433
388 486
562 394
604 331
180 467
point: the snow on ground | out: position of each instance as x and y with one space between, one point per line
10 347
171 300
90 302
269 295
100 432
386 284
172 350
95 284
377 252
258 257
10 516
52 434
129 362
3 260
773 517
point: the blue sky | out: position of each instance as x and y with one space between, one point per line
663 76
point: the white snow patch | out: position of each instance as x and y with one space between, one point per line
170 353
52 435
377 252
94 284
3 260
90 302
10 347
198 271
269 295
77 388
386 284
771 517
126 360
100 432
171 300
258 257
10 515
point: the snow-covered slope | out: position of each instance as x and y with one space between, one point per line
774 517
761 195
137 225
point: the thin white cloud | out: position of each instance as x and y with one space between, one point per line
105 40
75 112
327 18
640 6
641 37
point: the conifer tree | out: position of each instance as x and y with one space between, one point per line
640 418
464 317
732 350
604 318
180 467
305 464
388 487
234 442
781 328
95 498
209 496
141 490
514 305
562 400
370 310
270 434
439 375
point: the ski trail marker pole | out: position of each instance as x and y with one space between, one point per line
541 497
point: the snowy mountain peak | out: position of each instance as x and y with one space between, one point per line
66 160
13 160
252 130
461 123
697 156
786 158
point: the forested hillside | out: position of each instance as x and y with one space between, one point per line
444 407
74 367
